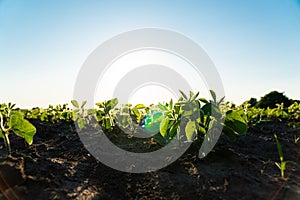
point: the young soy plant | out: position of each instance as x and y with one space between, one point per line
104 113
80 115
12 121
196 116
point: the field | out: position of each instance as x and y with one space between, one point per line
259 162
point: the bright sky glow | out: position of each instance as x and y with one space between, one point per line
147 94
161 93
254 44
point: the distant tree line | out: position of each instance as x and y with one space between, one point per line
271 99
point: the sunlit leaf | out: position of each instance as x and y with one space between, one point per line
183 95
236 122
204 100
113 103
75 103
164 125
21 126
81 123
139 106
213 94
190 130
279 148
83 104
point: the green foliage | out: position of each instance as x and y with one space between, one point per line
124 117
169 126
189 119
80 115
190 129
235 124
164 125
294 111
271 99
51 114
21 126
104 113
139 111
279 113
12 121
198 115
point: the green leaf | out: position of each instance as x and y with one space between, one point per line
203 100
183 95
81 123
75 103
139 106
113 103
100 104
171 104
190 130
136 112
125 109
83 104
202 130
123 119
91 111
21 126
229 133
164 125
193 98
213 94
162 107
174 129
191 94
99 115
279 148
209 109
44 116
221 100
236 122
106 123
177 109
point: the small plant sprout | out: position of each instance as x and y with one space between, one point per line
282 164
104 113
80 114
12 121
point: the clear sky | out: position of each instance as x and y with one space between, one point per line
254 44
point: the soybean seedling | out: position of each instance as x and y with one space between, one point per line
13 121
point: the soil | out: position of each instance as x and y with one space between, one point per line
57 166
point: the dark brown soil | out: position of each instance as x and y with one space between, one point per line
57 166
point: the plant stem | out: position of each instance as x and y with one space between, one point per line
6 132
282 173
7 143
1 122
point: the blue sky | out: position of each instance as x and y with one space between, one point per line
254 44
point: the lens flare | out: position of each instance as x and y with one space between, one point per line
151 122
